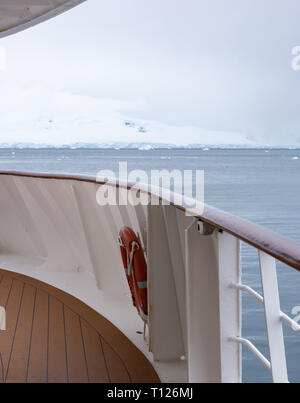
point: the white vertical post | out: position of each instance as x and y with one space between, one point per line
203 315
177 261
230 307
272 314
165 330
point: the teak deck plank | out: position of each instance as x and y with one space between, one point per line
51 336
116 369
57 356
77 364
17 366
12 310
97 368
37 360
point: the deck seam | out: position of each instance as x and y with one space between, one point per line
15 331
48 336
66 348
99 334
8 296
84 350
2 368
105 362
116 353
1 361
31 331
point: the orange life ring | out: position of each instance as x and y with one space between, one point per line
136 269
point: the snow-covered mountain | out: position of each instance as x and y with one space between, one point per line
60 119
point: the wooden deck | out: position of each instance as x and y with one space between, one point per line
53 337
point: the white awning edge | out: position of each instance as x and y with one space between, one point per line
37 19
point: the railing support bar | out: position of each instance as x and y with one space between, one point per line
253 349
249 290
203 323
230 307
290 322
284 317
273 317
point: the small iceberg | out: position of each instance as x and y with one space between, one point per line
129 124
142 130
146 148
295 158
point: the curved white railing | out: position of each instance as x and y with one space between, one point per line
208 292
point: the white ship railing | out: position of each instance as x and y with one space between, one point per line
270 247
205 274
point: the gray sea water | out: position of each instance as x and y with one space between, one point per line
261 186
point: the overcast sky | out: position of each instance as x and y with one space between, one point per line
205 65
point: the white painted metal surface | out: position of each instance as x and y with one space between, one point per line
255 351
54 230
273 321
230 307
281 316
249 290
177 259
17 15
165 327
203 306
214 307
290 322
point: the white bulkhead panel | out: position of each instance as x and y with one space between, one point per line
17 15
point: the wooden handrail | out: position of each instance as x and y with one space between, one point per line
280 247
